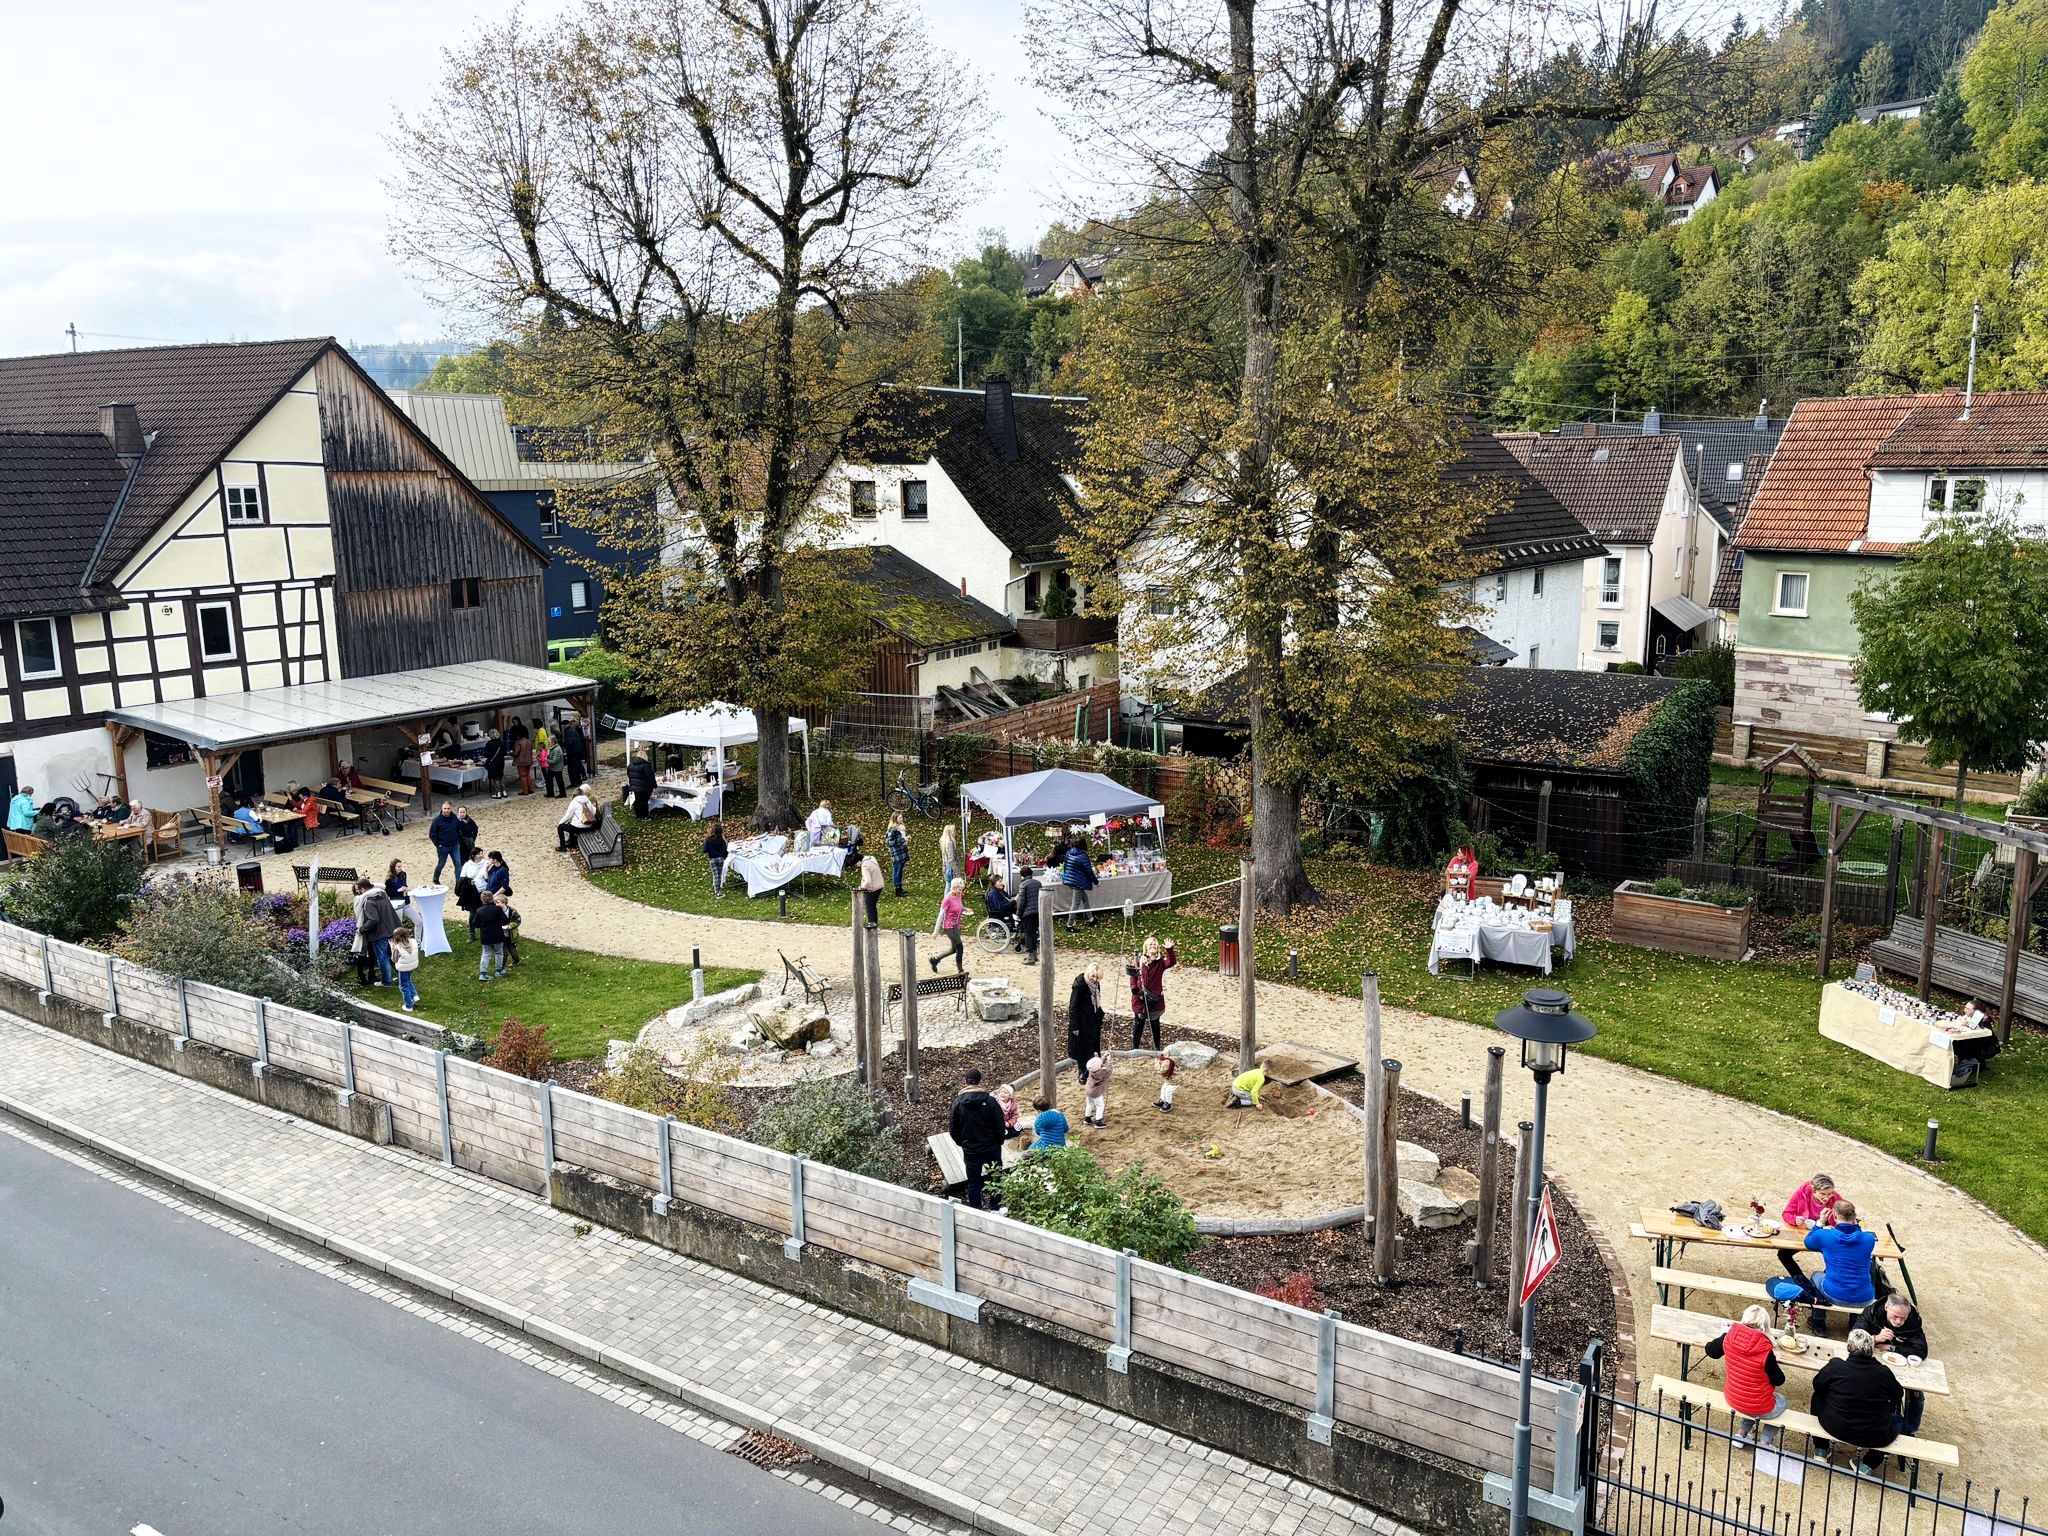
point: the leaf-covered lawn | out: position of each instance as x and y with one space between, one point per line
1749 1031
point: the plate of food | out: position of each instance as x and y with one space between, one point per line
1892 1357
1756 1229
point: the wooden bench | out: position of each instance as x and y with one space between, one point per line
231 830
1911 1448
1965 963
799 970
20 845
604 845
398 796
1683 1280
934 986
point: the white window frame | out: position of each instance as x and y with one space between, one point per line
1500 587
1600 640
1614 563
1980 494
550 516
1735 471
1161 603
1937 493
21 651
1535 656
229 496
1778 605
579 597
199 611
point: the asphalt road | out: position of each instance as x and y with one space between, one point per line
155 1371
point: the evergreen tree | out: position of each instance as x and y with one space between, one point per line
1836 107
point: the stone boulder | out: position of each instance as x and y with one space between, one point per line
717 1002
994 1001
1418 1164
789 1023
1192 1057
746 1037
1428 1207
827 1047
1461 1185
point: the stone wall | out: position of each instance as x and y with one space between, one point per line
1803 693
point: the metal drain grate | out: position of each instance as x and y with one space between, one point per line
769 1451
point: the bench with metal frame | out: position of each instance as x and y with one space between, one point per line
799 970
604 845
954 985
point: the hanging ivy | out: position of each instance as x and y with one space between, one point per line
1668 767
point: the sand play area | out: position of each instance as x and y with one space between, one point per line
1299 1154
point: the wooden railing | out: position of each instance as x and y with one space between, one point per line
514 1131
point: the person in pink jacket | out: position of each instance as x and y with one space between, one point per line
951 911
1812 1205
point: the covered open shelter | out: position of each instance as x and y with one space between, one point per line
717 726
1053 795
221 727
1919 945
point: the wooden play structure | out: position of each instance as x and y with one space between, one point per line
1784 808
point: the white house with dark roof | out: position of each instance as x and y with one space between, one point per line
189 522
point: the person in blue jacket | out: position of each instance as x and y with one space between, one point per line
1049 1130
1077 873
445 833
1845 1250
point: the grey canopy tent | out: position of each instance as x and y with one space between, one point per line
1053 795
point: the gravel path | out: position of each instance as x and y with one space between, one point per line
1622 1138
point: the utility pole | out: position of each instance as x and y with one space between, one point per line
1970 379
959 352
71 330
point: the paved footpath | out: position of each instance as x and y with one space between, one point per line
1000 1452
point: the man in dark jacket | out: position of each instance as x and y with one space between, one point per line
1894 1326
445 833
577 747
379 921
1027 915
1084 1019
1856 1399
495 748
976 1126
639 779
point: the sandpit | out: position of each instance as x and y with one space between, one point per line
1299 1154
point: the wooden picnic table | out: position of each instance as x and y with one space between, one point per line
1668 1227
1695 1330
118 832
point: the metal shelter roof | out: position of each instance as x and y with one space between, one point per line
229 721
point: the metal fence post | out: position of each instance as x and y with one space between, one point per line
945 1296
262 1061
1324 1420
1120 1351
547 1131
184 1019
663 1156
348 1062
113 995
49 976
793 1245
1564 1455
441 1092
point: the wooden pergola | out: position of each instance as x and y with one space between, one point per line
2030 873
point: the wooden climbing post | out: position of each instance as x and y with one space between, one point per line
1930 911
907 941
1370 986
858 981
1386 1233
1048 1080
1827 888
1489 1167
1247 971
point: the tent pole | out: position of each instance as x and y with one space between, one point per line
806 734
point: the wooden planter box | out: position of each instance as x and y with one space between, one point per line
1678 925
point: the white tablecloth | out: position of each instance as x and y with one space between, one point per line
427 901
1508 943
1112 891
765 872
701 802
456 775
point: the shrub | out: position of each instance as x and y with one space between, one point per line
1066 1190
2034 802
1670 885
1295 1290
639 1079
78 889
697 1095
1713 664
833 1120
1630 669
1725 895
524 1050
1803 932
210 931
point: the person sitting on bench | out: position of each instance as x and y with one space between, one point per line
252 825
1894 1324
1856 1399
1812 1204
1845 1250
581 816
1749 1355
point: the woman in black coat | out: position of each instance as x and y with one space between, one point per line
1084 1019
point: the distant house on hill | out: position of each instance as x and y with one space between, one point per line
1900 111
1067 277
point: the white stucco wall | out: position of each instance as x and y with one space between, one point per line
1512 612
1631 613
1898 498
950 541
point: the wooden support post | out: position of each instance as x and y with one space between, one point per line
1827 888
1489 1166
858 981
1386 1233
1247 971
907 941
415 732
120 735
1699 830
1917 891
1048 1081
1370 986
334 755
2016 924
1891 871
1543 819
1518 1226
209 765
1930 911
878 1005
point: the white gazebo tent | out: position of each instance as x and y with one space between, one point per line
717 726
1053 795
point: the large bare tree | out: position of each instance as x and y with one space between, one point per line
680 204
1281 151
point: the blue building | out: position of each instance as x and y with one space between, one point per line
518 469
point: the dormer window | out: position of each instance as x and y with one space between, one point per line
862 498
915 507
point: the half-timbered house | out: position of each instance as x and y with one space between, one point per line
188 522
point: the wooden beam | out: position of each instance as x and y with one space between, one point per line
2015 937
1827 886
334 755
121 735
1930 909
1838 843
1247 971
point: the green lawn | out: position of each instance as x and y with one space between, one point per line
1749 1031
584 999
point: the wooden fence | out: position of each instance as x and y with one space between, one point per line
1858 759
513 1130
1856 901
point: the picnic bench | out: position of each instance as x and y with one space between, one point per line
398 796
1667 1231
1695 1330
275 799
1685 1280
814 984
1966 963
231 830
604 845
933 986
20 845
1913 1449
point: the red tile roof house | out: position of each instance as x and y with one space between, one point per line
1853 483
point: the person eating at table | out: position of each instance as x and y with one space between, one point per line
1857 1399
1844 1281
252 825
1750 1358
1894 1326
1812 1205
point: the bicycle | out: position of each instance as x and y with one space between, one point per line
924 801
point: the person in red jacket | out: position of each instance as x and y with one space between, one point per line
1147 971
1754 1374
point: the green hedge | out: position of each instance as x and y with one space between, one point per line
1668 766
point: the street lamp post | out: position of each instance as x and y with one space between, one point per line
1547 1027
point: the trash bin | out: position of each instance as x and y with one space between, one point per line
1226 949
249 876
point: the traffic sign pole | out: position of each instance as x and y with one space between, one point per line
1539 1208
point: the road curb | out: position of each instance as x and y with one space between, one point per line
980 1516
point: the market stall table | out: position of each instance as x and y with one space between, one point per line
698 799
1478 930
1695 1330
456 775
766 863
427 903
1149 888
1900 1031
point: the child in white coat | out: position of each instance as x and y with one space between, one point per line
1097 1090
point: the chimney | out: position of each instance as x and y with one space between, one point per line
1653 423
1589 429
1763 420
122 428
1000 417
963 586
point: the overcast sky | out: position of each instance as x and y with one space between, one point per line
194 170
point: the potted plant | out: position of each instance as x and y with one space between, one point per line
1666 914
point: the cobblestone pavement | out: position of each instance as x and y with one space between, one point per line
1006 1453
1622 1139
